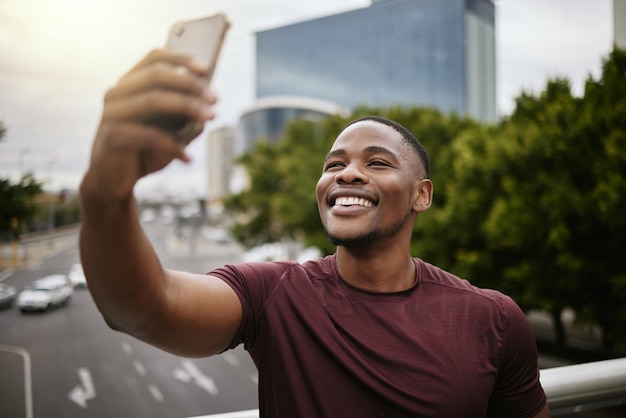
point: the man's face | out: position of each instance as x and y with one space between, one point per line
368 186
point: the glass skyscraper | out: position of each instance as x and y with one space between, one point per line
437 53
269 116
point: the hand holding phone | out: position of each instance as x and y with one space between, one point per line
203 39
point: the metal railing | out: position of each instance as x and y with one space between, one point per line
569 389
586 386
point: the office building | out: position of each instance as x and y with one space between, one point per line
268 117
619 23
437 53
220 145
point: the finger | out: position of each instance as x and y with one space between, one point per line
135 150
151 159
145 104
173 57
164 76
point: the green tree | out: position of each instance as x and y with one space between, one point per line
528 196
535 208
16 201
16 204
601 240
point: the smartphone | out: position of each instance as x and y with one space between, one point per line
202 38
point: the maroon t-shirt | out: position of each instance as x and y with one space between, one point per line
324 348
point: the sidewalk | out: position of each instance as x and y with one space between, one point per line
34 247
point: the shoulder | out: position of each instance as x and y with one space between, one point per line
451 289
433 276
271 273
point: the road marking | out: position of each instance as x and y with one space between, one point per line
85 390
181 375
190 373
231 359
139 367
255 378
28 387
5 274
128 349
58 251
156 393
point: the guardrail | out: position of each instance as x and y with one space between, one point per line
569 389
586 386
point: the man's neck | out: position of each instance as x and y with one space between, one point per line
376 271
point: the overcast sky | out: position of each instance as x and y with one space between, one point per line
58 57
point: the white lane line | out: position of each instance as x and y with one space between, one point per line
156 393
189 372
128 349
139 367
181 375
5 274
231 359
28 387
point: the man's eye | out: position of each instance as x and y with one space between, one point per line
378 163
335 164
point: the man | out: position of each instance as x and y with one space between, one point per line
367 332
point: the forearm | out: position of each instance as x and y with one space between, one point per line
129 285
123 272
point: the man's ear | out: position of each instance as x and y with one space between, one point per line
423 195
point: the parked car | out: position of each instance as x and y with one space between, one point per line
46 294
7 296
77 276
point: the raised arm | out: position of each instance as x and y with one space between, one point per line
183 313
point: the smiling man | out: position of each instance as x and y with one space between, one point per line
366 332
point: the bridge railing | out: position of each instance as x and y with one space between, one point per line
586 386
569 389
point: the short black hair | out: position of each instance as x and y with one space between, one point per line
407 136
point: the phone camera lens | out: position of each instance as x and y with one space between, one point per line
179 29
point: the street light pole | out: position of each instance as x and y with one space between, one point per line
50 207
23 151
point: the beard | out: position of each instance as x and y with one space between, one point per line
359 241
367 239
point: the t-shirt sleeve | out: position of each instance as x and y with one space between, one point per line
517 392
253 283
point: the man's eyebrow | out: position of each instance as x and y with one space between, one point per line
374 149
335 153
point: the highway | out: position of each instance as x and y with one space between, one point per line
67 363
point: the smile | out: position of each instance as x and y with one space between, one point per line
353 201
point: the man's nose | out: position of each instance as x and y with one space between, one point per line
351 174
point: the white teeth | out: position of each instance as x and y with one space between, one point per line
349 201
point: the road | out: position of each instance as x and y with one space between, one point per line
67 363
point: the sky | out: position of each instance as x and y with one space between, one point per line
58 58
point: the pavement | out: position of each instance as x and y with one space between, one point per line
34 247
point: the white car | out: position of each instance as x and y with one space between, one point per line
77 276
46 294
